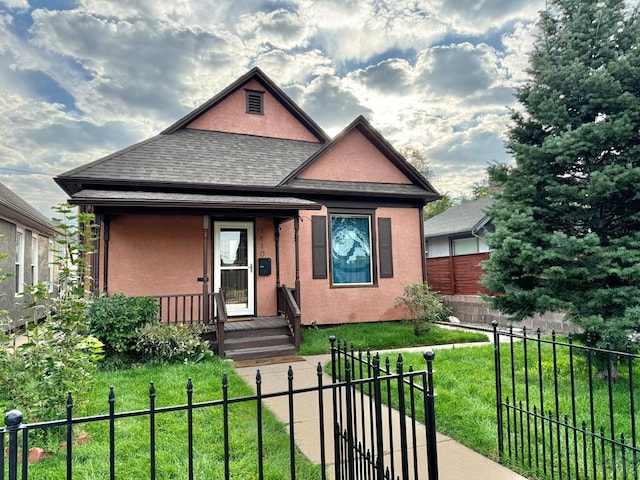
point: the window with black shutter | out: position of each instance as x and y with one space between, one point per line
319 246
255 103
385 249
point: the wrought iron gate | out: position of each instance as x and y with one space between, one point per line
372 441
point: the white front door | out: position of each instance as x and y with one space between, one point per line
233 265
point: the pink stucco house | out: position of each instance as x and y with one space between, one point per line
247 193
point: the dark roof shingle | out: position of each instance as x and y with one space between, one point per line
459 219
201 157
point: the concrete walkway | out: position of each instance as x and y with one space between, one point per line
455 461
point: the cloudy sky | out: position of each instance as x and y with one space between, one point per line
82 78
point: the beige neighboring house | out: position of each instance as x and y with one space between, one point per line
26 238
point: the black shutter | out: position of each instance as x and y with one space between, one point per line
319 246
384 248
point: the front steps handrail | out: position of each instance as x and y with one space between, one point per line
292 314
221 319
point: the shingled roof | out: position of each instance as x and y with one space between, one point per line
188 161
198 157
461 218
15 208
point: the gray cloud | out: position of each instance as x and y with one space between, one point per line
279 28
330 104
458 70
387 76
140 66
478 16
125 69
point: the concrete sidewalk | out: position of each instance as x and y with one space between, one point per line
455 461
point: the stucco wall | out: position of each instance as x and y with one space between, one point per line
354 158
161 255
155 255
265 284
324 304
230 116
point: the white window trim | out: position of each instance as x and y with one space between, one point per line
34 258
20 261
51 266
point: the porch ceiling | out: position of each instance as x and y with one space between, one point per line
189 200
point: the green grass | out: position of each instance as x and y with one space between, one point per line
466 401
91 460
381 335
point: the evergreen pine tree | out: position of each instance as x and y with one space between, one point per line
567 215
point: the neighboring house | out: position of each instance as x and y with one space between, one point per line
26 238
455 247
247 193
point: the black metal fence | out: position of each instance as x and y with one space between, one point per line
368 441
565 409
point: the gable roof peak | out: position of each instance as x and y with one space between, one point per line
254 74
365 127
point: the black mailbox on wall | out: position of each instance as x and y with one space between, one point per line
264 266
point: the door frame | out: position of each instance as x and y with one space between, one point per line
218 225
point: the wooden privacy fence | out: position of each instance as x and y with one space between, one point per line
456 275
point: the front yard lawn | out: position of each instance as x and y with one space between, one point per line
132 459
382 335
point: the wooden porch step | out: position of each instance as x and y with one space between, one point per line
258 338
244 341
257 353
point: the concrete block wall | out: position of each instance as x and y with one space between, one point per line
472 309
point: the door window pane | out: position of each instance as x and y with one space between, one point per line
351 249
233 248
234 285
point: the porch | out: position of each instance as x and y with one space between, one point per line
239 338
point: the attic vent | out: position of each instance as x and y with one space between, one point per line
255 102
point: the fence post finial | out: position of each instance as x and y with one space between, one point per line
13 418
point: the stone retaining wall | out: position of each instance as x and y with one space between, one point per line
472 309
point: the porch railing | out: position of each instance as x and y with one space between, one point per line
184 308
188 309
288 306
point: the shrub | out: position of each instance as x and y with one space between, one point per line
160 343
115 320
422 306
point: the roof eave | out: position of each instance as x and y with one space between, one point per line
191 205
25 220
